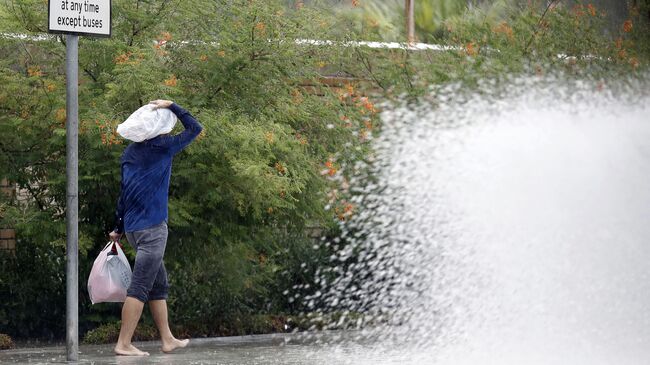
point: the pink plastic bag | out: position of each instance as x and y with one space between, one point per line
110 276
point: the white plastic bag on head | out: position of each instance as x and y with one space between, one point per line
147 123
110 276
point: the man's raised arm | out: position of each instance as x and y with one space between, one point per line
192 127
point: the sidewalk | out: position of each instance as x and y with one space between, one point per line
255 349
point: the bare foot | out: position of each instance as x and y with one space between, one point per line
129 351
169 346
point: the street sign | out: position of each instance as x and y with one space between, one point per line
75 18
82 17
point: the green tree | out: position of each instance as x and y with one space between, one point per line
243 197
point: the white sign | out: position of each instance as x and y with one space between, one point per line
89 17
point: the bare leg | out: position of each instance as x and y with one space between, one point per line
131 312
159 312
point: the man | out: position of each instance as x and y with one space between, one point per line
142 213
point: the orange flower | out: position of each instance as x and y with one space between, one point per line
60 115
159 50
355 3
112 139
591 9
470 50
279 168
260 28
34 71
269 137
172 81
350 89
296 95
123 58
346 212
578 11
368 105
50 86
329 164
505 29
165 36
203 57
627 26
619 43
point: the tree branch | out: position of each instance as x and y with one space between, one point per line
366 63
548 7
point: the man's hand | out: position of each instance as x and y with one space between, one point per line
161 103
114 236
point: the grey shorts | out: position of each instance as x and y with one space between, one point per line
149 280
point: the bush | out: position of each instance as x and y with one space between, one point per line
32 285
6 342
244 325
242 197
110 332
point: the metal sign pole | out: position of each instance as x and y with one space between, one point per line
93 19
410 21
72 193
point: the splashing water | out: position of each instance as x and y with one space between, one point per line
507 226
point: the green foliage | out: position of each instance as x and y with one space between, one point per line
273 162
494 39
243 196
386 19
32 285
431 15
109 333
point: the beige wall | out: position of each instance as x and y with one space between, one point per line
7 235
7 239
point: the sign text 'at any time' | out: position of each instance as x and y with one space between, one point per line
85 17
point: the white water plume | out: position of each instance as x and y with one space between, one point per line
506 227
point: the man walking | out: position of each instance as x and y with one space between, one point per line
142 213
